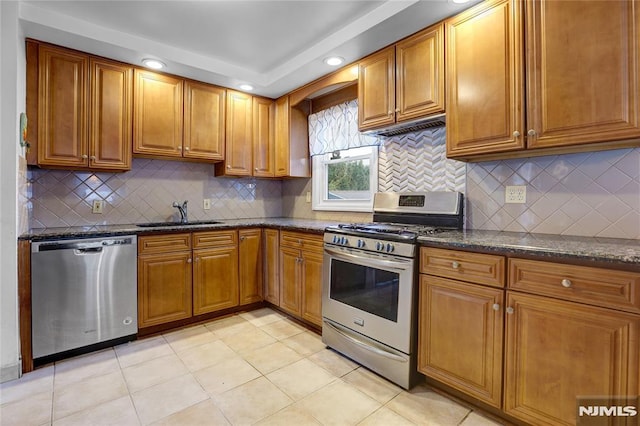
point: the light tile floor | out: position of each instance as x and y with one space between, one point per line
251 368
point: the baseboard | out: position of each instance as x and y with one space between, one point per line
10 372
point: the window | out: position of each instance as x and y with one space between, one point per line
345 180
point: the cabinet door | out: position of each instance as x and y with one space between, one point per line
485 104
271 264
62 107
311 274
110 126
290 291
460 336
250 265
215 279
420 74
204 120
582 67
239 133
281 166
164 288
263 137
376 89
157 114
556 351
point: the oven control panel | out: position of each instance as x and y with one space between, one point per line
370 244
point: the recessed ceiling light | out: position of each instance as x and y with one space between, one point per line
334 61
153 63
246 87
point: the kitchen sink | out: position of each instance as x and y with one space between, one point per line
194 222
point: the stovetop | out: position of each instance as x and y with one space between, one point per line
387 231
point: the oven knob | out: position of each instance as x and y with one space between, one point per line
390 248
335 239
361 244
344 241
379 246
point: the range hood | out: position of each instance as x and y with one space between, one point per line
429 122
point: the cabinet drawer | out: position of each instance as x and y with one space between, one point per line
595 286
214 239
460 265
300 240
164 243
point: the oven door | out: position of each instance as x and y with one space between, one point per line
371 294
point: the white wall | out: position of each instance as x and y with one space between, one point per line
12 103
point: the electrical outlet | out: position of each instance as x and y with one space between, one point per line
308 196
98 206
515 194
206 204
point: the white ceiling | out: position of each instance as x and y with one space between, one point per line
276 46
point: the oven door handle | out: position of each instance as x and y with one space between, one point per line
399 265
363 345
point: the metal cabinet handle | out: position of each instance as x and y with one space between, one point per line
397 109
242 238
455 265
229 166
186 148
255 169
509 310
92 158
531 133
188 260
496 307
84 156
516 134
566 283
179 148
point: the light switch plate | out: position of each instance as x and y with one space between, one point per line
515 194
206 204
98 206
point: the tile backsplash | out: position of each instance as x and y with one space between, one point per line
145 194
410 162
588 194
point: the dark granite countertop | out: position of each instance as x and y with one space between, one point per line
552 247
43 234
555 247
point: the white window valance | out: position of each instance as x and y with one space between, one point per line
336 129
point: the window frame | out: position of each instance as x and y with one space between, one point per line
319 183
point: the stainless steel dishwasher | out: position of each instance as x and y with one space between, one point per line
83 292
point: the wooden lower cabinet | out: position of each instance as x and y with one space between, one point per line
164 288
250 265
290 280
301 259
215 279
460 336
271 263
556 351
311 284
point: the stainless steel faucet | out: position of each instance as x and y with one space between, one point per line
183 210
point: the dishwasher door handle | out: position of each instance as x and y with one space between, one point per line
90 250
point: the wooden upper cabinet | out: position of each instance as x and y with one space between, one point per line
204 121
157 114
62 107
110 124
583 73
484 79
291 138
239 136
376 89
420 74
263 137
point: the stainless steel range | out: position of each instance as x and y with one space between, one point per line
369 280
